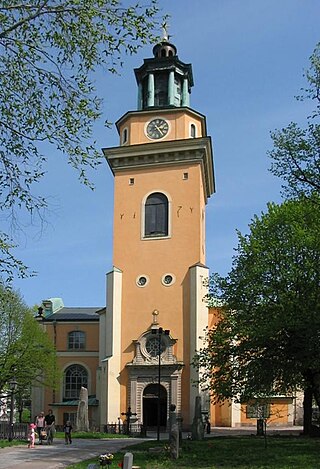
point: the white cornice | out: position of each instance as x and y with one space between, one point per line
165 153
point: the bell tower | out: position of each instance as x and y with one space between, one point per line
163 177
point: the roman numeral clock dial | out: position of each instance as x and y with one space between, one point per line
157 128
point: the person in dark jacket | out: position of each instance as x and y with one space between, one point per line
67 432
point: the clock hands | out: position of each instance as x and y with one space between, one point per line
160 129
157 128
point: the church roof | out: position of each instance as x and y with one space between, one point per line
75 314
92 400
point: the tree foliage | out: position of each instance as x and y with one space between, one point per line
296 153
49 51
267 339
26 352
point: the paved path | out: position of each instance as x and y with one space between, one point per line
59 455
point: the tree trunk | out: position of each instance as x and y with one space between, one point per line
316 388
307 411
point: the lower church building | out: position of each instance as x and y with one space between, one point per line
137 350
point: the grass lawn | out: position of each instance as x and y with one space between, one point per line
227 453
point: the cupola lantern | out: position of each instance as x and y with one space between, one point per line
164 81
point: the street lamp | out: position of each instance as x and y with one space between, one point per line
40 315
13 386
159 333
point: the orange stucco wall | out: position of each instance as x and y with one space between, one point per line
179 125
221 414
59 334
279 412
87 358
156 257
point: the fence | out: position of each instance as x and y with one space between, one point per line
136 429
19 431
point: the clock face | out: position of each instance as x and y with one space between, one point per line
157 128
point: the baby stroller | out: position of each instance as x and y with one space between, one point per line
42 436
49 430
46 435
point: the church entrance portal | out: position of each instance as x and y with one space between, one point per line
150 406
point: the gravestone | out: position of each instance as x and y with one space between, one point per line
173 433
127 461
197 424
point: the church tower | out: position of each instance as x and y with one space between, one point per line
163 177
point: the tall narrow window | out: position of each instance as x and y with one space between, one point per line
124 136
156 215
193 131
75 377
161 89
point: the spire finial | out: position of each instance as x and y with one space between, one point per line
155 314
165 35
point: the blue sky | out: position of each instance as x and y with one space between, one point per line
248 58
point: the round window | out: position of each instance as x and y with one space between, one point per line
142 281
152 346
168 279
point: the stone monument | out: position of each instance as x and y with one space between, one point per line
197 424
173 433
82 421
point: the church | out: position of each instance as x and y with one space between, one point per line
137 350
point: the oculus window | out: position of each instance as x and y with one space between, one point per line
153 345
156 215
142 281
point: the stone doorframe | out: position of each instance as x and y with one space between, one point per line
144 369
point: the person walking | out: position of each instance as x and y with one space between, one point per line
40 426
67 432
49 425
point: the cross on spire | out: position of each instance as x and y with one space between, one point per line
155 315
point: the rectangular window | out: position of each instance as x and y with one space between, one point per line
131 181
185 176
76 340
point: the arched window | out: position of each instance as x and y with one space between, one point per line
193 131
124 136
75 376
76 340
156 215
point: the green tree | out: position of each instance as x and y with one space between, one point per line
26 352
296 153
49 51
267 341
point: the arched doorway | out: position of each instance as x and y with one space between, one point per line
150 406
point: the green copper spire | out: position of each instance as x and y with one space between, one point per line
164 81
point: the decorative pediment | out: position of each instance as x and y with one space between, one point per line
147 349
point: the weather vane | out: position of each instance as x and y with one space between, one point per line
165 35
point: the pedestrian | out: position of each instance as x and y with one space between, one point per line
32 435
67 432
49 424
40 425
